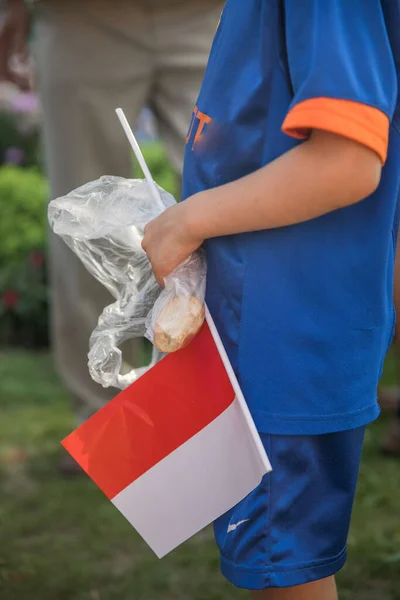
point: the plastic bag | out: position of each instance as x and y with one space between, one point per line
103 223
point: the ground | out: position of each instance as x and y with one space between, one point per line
63 540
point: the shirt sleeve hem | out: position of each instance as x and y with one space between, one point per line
357 121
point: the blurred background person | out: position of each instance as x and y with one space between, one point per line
91 56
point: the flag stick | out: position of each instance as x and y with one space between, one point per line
140 158
218 342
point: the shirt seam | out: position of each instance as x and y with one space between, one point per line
395 126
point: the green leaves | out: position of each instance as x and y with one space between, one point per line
23 286
23 202
24 195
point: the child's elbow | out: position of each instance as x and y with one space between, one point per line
354 169
361 170
363 173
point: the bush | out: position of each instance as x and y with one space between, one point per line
23 224
23 195
19 127
23 289
17 147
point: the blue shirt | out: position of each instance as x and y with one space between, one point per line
305 311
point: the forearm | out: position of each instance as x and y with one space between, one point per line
319 176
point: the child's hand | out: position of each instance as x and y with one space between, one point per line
168 241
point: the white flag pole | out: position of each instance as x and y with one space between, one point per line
238 392
218 342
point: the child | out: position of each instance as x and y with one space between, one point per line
291 177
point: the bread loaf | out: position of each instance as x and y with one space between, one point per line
178 323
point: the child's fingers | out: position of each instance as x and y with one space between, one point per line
158 275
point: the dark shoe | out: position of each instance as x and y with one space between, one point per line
68 467
391 443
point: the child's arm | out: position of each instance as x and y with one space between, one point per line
323 174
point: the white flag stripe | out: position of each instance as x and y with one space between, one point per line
237 390
195 484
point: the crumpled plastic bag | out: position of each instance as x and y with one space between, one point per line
103 223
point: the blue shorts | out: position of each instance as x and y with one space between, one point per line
293 528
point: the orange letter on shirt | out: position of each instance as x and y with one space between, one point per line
203 120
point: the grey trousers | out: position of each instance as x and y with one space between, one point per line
92 56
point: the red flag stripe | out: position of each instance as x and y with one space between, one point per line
158 413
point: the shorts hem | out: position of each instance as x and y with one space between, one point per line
251 579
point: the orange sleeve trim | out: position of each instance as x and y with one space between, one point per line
359 122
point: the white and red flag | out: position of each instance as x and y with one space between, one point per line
176 449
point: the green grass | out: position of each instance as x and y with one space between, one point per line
62 540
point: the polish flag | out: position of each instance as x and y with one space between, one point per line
176 449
